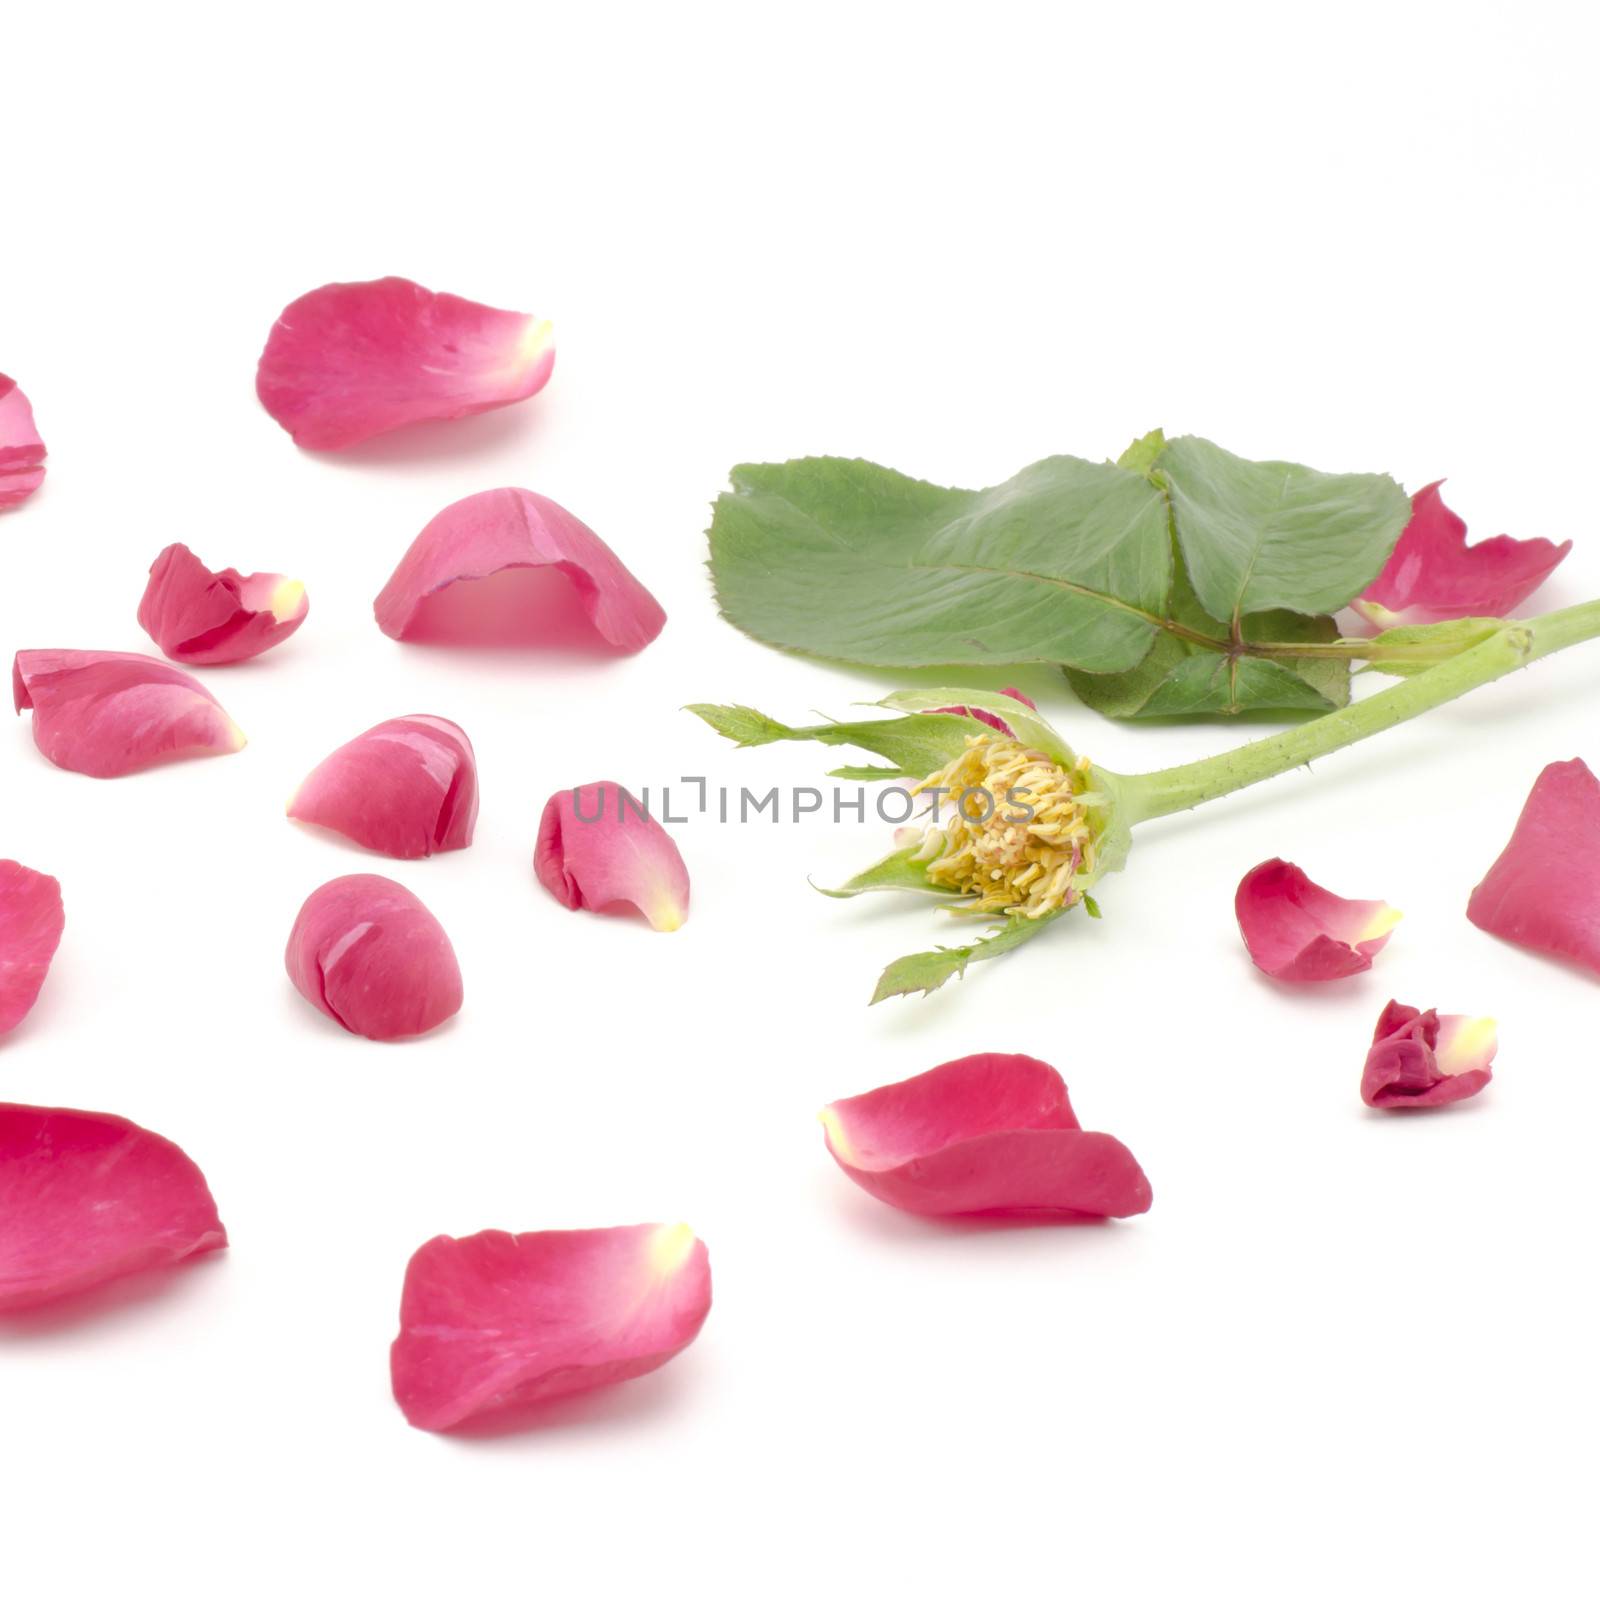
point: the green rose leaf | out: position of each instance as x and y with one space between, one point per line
1180 677
1067 562
1263 535
1133 572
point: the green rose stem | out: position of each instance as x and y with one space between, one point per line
1158 794
984 870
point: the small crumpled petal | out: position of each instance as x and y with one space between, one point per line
1544 890
21 449
31 920
988 1134
406 788
497 1322
107 713
86 1197
352 360
599 849
208 619
501 531
1421 1059
1299 932
369 954
989 718
1432 575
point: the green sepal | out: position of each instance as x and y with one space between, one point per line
898 870
917 745
932 969
1028 726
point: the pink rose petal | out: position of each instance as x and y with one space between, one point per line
1544 891
498 1321
1433 576
598 849
988 1134
86 1197
352 360
988 718
106 713
368 953
31 920
1420 1059
1299 932
406 788
499 531
21 449
209 619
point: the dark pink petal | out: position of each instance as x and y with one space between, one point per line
988 718
1300 932
352 360
1433 576
21 448
1420 1059
208 619
1544 891
106 713
599 849
367 952
31 920
500 531
501 1321
86 1197
407 788
988 1134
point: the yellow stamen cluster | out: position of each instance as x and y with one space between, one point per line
1014 829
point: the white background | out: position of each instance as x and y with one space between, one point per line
1343 1352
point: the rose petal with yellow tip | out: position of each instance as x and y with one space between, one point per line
599 849
107 713
349 361
209 619
985 1135
1299 932
1434 575
1419 1059
497 1323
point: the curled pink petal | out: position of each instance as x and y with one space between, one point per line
988 1134
369 954
1420 1059
208 619
352 360
1302 933
1544 891
406 788
599 848
498 1322
988 718
106 713
21 449
1432 575
86 1197
31 920
498 532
